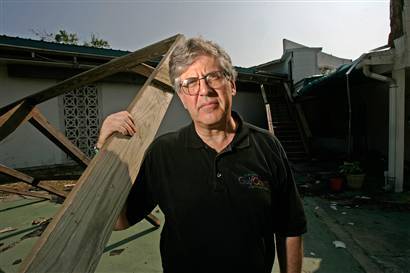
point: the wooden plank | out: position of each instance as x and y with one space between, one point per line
267 108
146 71
114 66
30 180
41 123
261 78
297 116
26 193
16 174
75 239
58 138
14 117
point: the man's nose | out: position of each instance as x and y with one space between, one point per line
204 88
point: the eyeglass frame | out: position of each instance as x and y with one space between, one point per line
180 87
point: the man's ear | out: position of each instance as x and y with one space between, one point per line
233 87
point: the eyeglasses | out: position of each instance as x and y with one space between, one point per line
213 79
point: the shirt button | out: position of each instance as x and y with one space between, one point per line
219 175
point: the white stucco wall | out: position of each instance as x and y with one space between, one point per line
327 60
304 63
26 146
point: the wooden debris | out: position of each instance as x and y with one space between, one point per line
7 229
18 261
116 252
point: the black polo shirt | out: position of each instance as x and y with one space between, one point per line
221 210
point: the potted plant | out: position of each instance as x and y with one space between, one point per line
354 174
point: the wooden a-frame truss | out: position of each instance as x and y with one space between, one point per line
75 239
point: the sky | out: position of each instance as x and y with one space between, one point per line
250 31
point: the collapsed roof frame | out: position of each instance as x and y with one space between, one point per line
75 239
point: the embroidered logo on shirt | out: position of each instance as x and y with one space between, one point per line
254 181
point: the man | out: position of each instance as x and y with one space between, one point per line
224 186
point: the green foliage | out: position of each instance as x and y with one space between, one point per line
350 168
64 37
97 42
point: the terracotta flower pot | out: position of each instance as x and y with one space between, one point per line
336 184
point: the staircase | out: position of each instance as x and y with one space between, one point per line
285 125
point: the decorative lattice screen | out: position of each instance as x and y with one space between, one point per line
81 117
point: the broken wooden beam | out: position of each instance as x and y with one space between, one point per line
26 193
11 119
75 239
41 123
146 70
30 180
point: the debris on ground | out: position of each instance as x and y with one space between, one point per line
7 247
38 231
39 221
363 197
116 252
18 261
7 229
339 244
69 187
22 187
57 199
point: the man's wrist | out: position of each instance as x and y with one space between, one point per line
99 144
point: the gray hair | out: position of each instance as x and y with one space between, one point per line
189 50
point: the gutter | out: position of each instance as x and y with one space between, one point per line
64 52
349 103
47 63
368 73
392 157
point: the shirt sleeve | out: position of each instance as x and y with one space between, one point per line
141 199
288 213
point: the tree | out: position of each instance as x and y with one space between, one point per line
64 37
97 42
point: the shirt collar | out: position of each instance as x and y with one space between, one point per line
240 140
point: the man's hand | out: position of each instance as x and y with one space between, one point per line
121 122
